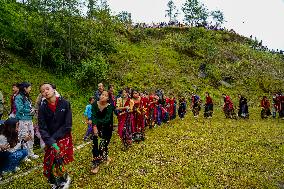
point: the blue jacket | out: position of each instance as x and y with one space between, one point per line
53 126
88 111
23 108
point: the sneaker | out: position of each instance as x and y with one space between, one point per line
66 185
34 156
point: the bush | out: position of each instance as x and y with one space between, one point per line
92 72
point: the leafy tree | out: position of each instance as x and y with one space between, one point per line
194 12
125 17
92 71
171 12
218 17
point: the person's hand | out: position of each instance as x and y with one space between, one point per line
54 145
4 147
28 138
95 130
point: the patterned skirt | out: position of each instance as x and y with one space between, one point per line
51 157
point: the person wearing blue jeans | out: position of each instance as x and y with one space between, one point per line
10 161
11 149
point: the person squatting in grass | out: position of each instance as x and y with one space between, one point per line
24 113
11 148
55 125
102 121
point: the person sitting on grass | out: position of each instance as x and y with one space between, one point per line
11 149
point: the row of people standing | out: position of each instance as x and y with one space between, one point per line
134 111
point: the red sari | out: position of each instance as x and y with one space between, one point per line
122 117
138 121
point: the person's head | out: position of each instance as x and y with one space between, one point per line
124 94
104 96
239 95
47 90
110 89
224 95
10 131
15 88
264 97
91 100
134 94
206 94
25 88
100 87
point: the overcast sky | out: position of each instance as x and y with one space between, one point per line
261 18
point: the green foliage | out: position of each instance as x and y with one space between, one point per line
218 17
125 17
194 12
54 34
92 72
171 12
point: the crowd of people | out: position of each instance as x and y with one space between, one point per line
50 120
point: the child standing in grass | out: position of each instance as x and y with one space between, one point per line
88 116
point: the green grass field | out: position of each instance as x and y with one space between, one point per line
193 153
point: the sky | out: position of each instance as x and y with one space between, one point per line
262 19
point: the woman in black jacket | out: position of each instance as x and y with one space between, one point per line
55 124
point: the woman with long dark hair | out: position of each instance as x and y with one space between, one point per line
11 152
24 113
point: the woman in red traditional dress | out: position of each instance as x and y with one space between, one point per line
124 123
137 116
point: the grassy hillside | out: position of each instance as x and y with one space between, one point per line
170 58
184 154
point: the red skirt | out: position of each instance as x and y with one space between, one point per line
66 152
